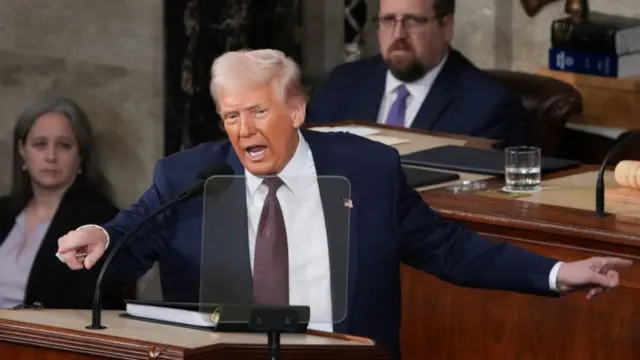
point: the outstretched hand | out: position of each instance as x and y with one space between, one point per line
594 275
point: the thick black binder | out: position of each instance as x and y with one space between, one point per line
473 160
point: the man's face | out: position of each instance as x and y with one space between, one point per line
415 47
262 128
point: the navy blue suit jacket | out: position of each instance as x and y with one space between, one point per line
389 224
463 100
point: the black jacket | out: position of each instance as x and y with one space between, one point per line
51 282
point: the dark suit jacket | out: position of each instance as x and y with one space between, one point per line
389 223
51 282
463 100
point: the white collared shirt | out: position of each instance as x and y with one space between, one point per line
299 197
418 91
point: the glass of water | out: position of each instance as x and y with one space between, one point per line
522 169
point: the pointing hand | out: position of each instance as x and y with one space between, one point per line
82 248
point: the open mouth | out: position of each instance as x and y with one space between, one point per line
400 51
256 152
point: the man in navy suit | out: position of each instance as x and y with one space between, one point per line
258 95
418 81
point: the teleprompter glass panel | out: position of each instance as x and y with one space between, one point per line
315 210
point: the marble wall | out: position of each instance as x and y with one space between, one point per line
498 34
107 55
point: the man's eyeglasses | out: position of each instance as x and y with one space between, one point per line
411 23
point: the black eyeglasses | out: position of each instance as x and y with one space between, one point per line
410 23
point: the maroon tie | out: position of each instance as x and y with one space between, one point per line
271 259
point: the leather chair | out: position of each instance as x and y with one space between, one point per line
549 102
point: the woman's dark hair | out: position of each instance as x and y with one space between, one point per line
91 175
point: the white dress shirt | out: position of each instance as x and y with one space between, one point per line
18 252
309 272
418 91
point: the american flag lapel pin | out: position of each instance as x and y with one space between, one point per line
348 203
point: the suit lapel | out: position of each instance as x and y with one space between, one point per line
7 218
366 103
340 221
234 161
43 273
46 268
440 95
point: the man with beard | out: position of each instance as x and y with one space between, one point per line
419 81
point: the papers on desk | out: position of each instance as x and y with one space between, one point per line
355 130
369 133
180 315
388 140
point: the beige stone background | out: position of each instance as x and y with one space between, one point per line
108 55
498 34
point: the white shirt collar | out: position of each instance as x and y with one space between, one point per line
419 88
299 168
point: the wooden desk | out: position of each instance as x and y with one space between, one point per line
442 321
609 102
51 334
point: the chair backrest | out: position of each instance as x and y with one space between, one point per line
549 102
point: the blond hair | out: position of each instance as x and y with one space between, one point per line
252 68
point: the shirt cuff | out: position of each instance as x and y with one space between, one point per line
553 276
106 234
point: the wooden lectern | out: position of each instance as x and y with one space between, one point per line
60 335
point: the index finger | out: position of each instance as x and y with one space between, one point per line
617 262
71 261
64 250
71 242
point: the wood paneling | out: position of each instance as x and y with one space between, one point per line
610 102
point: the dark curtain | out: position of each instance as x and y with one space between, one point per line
355 19
196 32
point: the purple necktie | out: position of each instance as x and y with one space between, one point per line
271 258
398 108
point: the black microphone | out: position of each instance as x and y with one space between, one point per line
195 189
622 140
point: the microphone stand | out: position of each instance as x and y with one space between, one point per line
96 313
273 343
622 140
274 320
